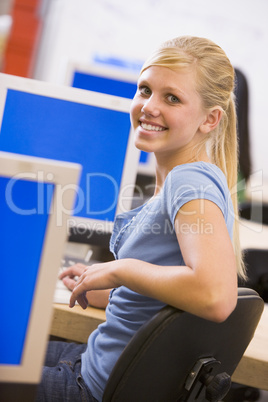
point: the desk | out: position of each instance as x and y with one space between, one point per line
76 324
253 367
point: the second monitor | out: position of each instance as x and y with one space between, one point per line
68 124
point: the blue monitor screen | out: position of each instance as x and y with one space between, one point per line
24 216
104 84
58 129
109 86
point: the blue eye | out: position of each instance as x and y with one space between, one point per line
173 99
144 90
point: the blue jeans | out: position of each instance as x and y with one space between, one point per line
61 377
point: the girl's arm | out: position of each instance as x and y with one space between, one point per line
206 286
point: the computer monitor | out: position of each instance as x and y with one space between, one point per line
69 124
35 200
114 81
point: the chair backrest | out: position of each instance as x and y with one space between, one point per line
170 356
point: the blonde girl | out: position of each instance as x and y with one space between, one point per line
181 248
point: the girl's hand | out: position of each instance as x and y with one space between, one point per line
93 278
70 275
96 298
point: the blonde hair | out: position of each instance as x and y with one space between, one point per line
215 85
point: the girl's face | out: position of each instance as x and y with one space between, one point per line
167 113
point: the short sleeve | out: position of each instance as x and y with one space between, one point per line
193 181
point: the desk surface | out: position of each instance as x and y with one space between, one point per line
253 367
76 324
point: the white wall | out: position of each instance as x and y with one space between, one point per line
76 30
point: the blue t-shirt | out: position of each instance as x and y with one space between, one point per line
147 233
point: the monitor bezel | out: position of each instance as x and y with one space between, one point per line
59 174
100 70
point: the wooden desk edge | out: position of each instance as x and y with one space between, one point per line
251 372
75 324
252 369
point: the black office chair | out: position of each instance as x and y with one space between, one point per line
177 356
256 261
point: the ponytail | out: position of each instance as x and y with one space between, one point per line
224 153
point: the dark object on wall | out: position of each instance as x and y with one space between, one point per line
255 211
242 109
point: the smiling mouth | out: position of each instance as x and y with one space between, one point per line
151 127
